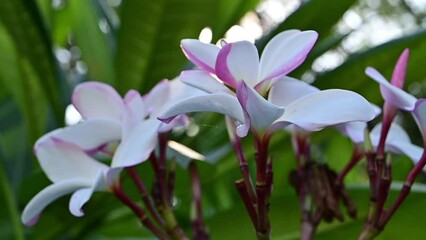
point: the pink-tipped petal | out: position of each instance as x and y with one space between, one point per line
285 52
219 102
236 62
315 111
203 55
61 160
287 90
392 95
49 194
203 81
257 111
398 76
87 135
97 100
138 145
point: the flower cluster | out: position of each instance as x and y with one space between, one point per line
256 96
125 130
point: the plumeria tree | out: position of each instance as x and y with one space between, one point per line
294 133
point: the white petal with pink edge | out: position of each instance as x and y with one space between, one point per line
238 61
285 52
88 134
49 194
203 55
61 160
258 112
393 95
315 111
218 102
97 100
138 145
203 81
287 90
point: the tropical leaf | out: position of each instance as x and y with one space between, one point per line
34 50
97 47
351 74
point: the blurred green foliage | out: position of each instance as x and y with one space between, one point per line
49 46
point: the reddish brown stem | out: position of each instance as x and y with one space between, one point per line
143 218
145 195
406 189
199 230
262 144
357 155
242 190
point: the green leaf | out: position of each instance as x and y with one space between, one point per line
96 46
149 38
351 74
20 81
23 21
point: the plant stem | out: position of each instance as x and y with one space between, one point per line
406 189
242 162
199 232
261 144
145 196
143 218
357 155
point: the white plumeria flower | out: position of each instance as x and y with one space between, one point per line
132 120
290 101
72 171
239 61
64 153
237 65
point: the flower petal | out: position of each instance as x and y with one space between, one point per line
138 145
158 96
238 61
287 90
398 75
95 99
329 107
396 133
82 196
354 130
46 196
218 102
203 81
397 141
393 95
78 199
135 105
87 135
203 55
257 111
410 150
285 52
419 114
61 160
